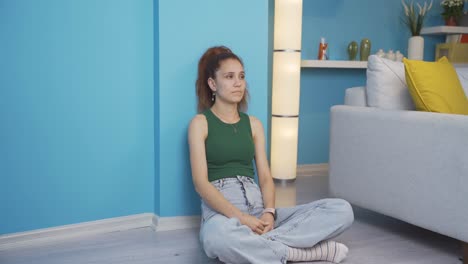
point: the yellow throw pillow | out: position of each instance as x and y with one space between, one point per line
435 87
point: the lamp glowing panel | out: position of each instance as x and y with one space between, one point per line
286 83
288 24
284 147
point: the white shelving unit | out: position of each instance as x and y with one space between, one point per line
340 64
452 33
442 30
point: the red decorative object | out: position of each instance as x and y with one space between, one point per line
450 21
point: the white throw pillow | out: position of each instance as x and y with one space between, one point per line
386 85
463 77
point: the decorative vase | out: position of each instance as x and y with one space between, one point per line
416 48
451 21
365 49
352 50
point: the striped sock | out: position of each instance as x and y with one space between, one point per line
324 251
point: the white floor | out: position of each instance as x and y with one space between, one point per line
373 239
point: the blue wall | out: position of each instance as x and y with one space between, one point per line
76 110
340 22
96 96
186 30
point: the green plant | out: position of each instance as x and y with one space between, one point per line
452 8
413 19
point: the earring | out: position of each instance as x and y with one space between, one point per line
213 95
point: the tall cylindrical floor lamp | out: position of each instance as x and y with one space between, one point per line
286 88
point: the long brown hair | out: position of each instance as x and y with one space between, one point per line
208 64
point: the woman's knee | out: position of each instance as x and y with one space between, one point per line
344 210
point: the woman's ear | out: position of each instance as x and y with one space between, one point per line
212 84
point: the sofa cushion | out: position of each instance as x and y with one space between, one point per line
435 87
462 73
355 96
386 85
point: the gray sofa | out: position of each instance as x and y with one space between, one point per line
406 164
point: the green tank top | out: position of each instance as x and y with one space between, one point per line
229 147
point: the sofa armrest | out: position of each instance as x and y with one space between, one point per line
406 164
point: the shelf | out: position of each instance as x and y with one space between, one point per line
334 64
342 64
443 30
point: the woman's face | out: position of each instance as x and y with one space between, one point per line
229 81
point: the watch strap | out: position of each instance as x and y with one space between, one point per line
271 211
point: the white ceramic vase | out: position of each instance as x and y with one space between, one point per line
416 48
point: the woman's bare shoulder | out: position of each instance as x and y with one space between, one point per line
255 122
199 119
198 124
256 126
253 118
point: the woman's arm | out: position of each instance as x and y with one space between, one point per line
198 131
267 185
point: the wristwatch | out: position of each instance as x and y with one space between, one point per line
271 211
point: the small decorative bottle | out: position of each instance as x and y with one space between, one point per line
352 50
322 53
365 49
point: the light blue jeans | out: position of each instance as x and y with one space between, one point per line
301 226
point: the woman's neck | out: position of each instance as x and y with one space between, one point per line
227 113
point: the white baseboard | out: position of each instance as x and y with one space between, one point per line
320 169
53 234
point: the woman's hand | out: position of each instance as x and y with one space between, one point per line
257 225
270 220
